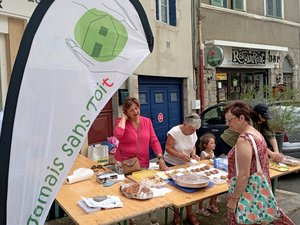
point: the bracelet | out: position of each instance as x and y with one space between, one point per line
159 158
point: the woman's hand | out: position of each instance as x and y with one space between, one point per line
231 205
124 116
184 157
275 156
196 157
162 165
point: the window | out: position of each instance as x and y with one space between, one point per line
174 96
159 97
166 11
220 3
143 98
238 5
274 8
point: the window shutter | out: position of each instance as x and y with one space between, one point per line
278 8
157 9
172 11
270 8
238 4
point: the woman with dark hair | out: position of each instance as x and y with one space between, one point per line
259 116
242 158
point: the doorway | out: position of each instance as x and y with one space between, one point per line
161 101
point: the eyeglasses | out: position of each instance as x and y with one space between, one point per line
229 120
98 167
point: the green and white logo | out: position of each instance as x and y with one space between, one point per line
97 31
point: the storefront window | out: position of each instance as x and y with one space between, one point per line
287 73
241 83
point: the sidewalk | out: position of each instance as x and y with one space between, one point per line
288 201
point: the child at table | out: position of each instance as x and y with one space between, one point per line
207 146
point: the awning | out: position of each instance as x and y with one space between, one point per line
246 45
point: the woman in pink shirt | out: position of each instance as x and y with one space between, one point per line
135 134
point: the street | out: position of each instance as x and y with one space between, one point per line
289 182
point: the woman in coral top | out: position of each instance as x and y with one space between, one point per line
237 117
136 134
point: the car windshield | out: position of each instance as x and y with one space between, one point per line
214 116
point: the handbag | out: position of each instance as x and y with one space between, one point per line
132 164
257 204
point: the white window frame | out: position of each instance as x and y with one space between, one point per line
160 5
274 16
244 4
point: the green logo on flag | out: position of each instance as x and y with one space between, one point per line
100 35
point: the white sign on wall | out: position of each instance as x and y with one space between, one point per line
236 57
23 8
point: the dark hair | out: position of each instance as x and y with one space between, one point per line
239 108
129 102
204 140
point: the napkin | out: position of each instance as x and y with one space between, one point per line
79 175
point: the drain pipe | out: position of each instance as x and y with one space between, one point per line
200 67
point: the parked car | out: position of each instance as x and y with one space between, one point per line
213 121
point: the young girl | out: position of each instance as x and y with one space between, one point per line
207 146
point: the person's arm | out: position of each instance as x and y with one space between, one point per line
155 145
275 154
244 155
274 144
170 149
120 126
194 154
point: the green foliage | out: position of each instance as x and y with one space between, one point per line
284 106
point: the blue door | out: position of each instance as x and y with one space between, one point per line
161 101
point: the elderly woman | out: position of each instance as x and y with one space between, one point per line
237 116
180 149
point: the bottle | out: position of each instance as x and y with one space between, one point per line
102 154
90 151
216 162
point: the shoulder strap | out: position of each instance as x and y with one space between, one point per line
258 165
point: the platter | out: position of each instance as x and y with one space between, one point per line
215 175
279 167
290 161
191 180
155 181
136 191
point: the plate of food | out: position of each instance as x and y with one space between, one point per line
136 191
169 173
155 181
191 180
279 166
290 161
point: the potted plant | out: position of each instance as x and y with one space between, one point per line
282 105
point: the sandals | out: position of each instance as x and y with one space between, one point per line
213 208
203 212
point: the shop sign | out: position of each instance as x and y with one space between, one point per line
248 56
23 8
221 76
215 56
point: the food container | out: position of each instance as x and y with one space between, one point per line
136 191
191 180
155 181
